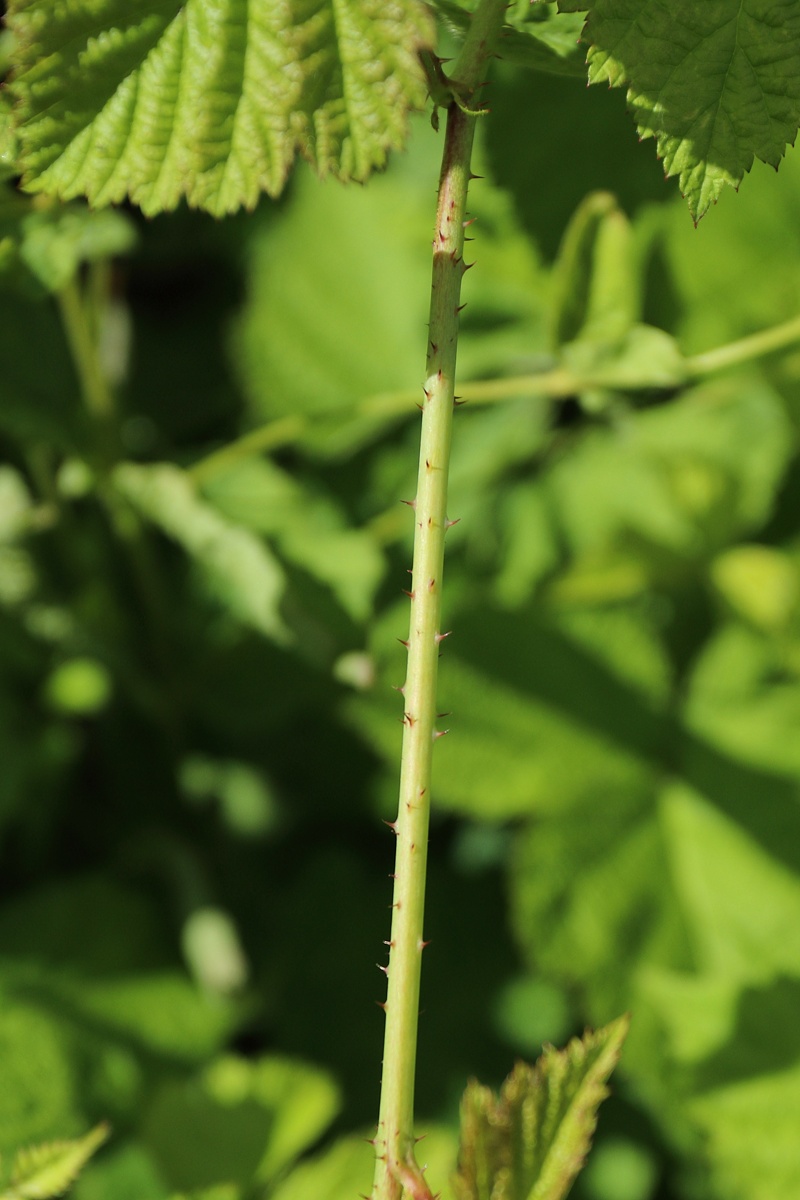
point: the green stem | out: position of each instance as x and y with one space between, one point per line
397 1173
766 341
553 384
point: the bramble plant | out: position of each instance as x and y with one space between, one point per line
651 467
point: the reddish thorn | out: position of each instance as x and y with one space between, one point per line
441 716
460 307
471 221
397 688
403 642
410 503
427 464
407 593
439 374
439 733
434 347
431 584
419 406
430 522
467 266
422 1136
422 792
386 973
439 637
381 1004
409 720
427 393
390 944
457 402
392 825
390 877
449 524
421 946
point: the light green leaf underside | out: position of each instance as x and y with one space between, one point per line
529 1142
209 99
716 84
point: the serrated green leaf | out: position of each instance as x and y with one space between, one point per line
529 1142
42 1172
239 566
716 84
209 101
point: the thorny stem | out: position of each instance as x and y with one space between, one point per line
397 1173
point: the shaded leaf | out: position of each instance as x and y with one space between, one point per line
538 38
529 1142
309 528
239 566
206 100
239 1122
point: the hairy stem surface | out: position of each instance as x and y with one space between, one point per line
397 1173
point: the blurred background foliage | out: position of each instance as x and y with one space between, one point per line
202 548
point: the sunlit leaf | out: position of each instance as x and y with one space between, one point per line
530 1141
209 101
716 84
42 1172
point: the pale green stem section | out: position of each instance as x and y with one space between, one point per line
553 384
397 1173
746 349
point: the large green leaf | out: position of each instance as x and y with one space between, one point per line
207 100
716 84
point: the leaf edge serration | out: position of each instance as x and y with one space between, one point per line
184 102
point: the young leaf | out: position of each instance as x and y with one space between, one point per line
529 1142
41 1172
211 101
716 84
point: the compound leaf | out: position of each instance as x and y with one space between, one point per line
716 84
529 1142
209 100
